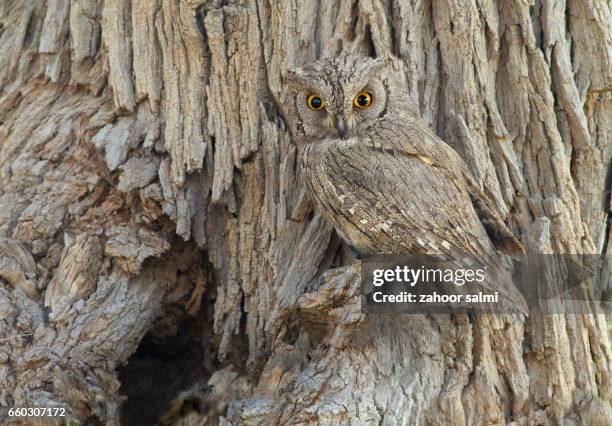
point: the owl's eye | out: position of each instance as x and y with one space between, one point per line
314 102
362 100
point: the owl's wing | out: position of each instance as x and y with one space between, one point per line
420 142
420 207
385 199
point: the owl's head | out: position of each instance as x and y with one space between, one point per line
340 97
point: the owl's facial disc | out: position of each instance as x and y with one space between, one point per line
340 98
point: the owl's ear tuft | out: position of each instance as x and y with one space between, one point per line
385 65
295 79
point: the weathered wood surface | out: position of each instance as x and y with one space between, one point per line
144 162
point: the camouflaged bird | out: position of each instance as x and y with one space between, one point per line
385 181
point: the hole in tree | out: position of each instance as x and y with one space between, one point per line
158 372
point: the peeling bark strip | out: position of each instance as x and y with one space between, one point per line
116 34
147 63
233 97
126 123
184 78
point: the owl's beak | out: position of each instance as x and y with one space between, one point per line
341 126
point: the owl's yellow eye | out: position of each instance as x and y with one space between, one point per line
315 103
362 100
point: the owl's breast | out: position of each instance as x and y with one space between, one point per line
338 182
327 168
322 163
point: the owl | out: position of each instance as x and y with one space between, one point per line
386 182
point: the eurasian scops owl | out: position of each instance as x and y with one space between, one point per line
387 183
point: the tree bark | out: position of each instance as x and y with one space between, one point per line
152 213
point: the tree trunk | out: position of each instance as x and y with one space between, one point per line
160 260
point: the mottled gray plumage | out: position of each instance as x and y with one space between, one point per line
385 181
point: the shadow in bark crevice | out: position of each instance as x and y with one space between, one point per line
158 371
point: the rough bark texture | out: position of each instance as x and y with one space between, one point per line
149 196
